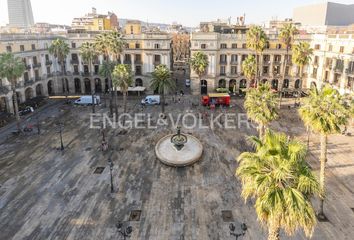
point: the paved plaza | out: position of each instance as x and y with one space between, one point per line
46 193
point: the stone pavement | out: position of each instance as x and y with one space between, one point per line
49 194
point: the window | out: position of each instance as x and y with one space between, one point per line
8 49
267 46
47 57
33 46
244 45
287 70
22 48
137 45
73 45
341 49
25 76
234 58
223 58
203 46
314 73
34 60
138 58
223 46
278 46
157 59
265 70
277 58
222 70
276 70
316 60
157 46
24 61
330 47
137 70
317 47
131 29
48 70
233 70
234 45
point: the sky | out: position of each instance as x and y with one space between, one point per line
186 12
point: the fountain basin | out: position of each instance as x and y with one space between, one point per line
169 155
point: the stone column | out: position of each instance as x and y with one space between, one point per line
100 58
30 62
43 68
81 68
132 56
271 66
228 66
210 71
239 63
343 81
10 103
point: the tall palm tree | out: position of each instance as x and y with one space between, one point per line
105 70
60 49
122 77
301 57
12 68
286 36
260 104
325 112
282 183
256 40
162 82
110 44
88 53
199 64
249 68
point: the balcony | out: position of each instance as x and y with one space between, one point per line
234 62
36 65
49 75
138 73
138 62
223 62
76 73
48 62
74 61
313 75
157 62
28 67
222 74
37 78
85 74
28 83
266 62
127 62
277 62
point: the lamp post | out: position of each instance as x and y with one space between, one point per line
237 235
60 125
124 231
110 170
38 126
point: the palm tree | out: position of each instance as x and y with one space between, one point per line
282 183
260 104
122 77
110 44
249 68
60 49
162 82
199 63
88 53
325 112
12 68
256 40
105 70
286 36
301 57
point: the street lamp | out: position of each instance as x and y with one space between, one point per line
237 235
60 125
124 231
110 170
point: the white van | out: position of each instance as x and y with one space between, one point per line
87 100
151 100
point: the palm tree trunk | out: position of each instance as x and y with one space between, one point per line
256 79
261 130
92 87
283 76
163 102
308 136
125 105
64 79
300 84
110 87
116 102
273 232
323 160
17 114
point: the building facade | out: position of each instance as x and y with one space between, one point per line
226 52
96 22
43 75
332 61
20 13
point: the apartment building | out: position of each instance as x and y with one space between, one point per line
43 75
227 51
332 61
96 22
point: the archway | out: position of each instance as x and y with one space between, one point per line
275 84
98 85
243 83
203 87
28 93
19 97
232 85
50 87
297 83
313 85
39 90
138 82
87 86
222 83
77 84
264 80
286 83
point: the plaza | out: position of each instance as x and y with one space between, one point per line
46 193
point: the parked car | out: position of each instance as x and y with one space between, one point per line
188 82
151 100
87 100
26 110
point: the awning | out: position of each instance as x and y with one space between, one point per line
134 89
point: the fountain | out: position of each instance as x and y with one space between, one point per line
179 150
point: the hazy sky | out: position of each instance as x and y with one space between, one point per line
187 12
